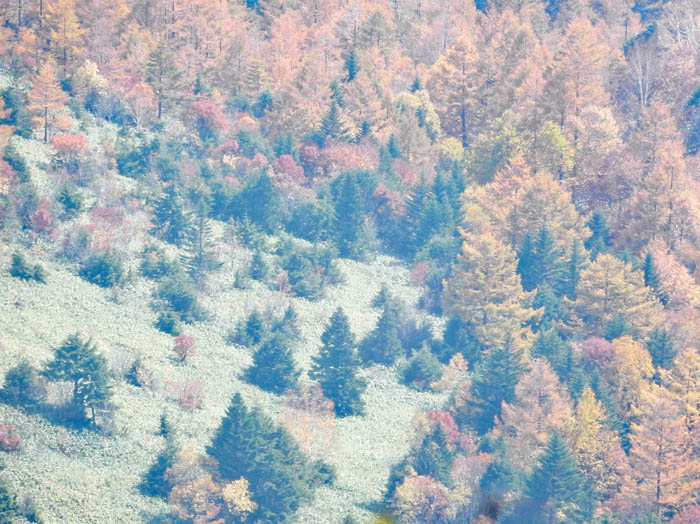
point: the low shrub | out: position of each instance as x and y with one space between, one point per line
103 269
19 268
9 439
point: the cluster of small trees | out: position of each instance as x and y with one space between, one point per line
77 362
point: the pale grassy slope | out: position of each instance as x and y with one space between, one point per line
89 478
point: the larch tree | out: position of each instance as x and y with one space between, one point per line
610 287
541 405
64 30
683 382
453 84
630 370
485 291
595 446
663 476
164 76
46 98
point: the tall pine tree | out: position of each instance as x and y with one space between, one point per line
247 445
336 367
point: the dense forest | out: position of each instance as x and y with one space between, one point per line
350 261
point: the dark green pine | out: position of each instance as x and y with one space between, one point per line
351 66
599 241
19 381
660 346
458 337
382 345
572 271
155 482
348 218
273 366
332 126
171 222
548 265
556 487
336 367
434 457
248 445
652 279
493 384
526 267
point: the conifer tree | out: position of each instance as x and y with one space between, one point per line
351 65
247 445
164 76
548 265
334 126
572 271
200 258
494 383
663 475
458 337
651 278
78 362
434 456
19 381
596 447
485 291
599 241
46 97
273 367
348 218
382 345
155 482
171 222
527 263
336 367
555 492
660 347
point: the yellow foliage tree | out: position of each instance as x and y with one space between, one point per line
542 405
46 98
485 291
64 30
630 371
663 475
610 287
595 446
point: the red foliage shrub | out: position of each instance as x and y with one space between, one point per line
337 157
388 201
229 147
207 118
309 154
42 219
9 440
286 165
184 347
191 395
70 145
8 177
406 172
598 351
449 427
257 162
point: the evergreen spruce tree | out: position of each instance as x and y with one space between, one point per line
458 337
555 493
434 457
393 147
494 383
273 367
259 200
548 265
164 76
548 300
572 271
660 346
599 241
333 126
200 258
421 370
351 65
526 267
155 483
652 280
336 367
78 362
382 345
247 445
348 218
19 382
171 222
